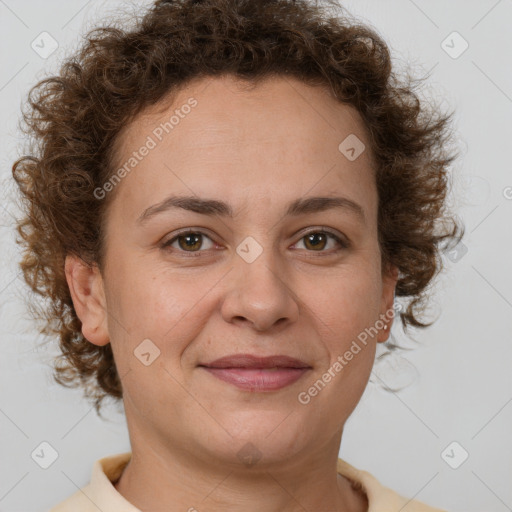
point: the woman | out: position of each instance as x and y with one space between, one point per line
227 198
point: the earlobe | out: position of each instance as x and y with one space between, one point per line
87 292
389 281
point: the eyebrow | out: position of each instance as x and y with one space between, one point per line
213 207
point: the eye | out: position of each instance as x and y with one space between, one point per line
192 241
316 241
188 241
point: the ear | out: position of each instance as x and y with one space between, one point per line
86 287
389 279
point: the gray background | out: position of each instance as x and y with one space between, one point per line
458 382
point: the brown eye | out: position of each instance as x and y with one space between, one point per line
190 241
317 241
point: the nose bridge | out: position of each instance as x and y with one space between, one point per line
260 265
260 293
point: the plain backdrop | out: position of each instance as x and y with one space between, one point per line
455 388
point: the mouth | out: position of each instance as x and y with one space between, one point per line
254 373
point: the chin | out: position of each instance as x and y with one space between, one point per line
276 434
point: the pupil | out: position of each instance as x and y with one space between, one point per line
189 238
313 236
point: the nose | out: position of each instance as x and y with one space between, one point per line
259 294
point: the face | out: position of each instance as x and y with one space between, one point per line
254 275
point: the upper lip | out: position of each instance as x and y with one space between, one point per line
252 361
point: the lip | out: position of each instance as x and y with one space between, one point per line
253 361
258 379
255 373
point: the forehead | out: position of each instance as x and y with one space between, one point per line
224 106
217 136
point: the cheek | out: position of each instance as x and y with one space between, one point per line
346 301
346 308
170 310
164 310
153 299
344 316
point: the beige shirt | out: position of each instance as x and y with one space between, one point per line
101 495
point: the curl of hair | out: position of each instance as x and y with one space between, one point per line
74 119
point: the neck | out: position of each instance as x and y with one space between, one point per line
185 483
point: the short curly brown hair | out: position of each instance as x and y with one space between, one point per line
73 119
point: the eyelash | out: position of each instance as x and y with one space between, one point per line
193 254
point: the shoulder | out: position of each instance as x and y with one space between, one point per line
381 498
77 502
100 493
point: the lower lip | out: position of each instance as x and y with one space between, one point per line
257 379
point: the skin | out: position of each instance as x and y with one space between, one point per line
257 150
